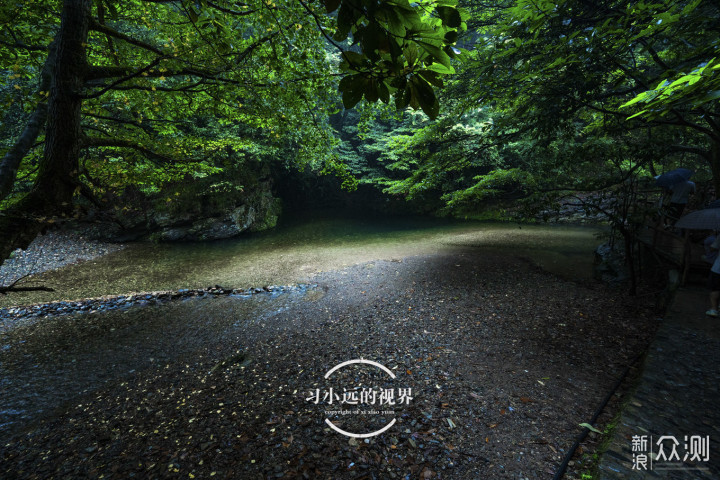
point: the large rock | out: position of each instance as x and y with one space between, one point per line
261 212
211 208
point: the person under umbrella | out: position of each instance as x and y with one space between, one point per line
677 183
708 219
678 200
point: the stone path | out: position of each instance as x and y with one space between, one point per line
678 395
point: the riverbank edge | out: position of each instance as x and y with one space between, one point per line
51 251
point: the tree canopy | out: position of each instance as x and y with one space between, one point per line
572 95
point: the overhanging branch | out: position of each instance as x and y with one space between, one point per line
98 27
23 46
4 290
229 11
690 149
89 142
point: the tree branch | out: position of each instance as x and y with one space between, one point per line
4 290
229 11
98 27
186 88
132 75
320 27
684 121
146 128
711 121
101 21
89 142
654 54
690 149
97 73
24 46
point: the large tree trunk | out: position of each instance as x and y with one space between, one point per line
57 173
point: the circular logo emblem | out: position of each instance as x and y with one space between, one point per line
360 435
362 400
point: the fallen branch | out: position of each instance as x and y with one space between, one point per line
12 288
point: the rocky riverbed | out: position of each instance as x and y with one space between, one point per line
504 358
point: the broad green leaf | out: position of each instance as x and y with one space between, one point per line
371 91
383 92
394 24
432 77
426 97
437 53
450 16
354 59
411 54
331 5
451 36
441 69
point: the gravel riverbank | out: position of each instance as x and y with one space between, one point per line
52 251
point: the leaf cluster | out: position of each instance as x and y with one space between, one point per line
398 50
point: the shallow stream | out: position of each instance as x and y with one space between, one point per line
50 361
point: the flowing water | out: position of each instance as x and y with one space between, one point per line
50 361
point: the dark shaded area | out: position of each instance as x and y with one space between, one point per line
307 191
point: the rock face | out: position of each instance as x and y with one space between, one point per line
210 208
259 211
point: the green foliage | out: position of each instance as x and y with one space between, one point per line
548 97
497 182
191 89
180 90
554 83
405 49
694 79
696 89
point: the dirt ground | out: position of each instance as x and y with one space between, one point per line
498 361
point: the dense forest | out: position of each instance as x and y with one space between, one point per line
114 109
